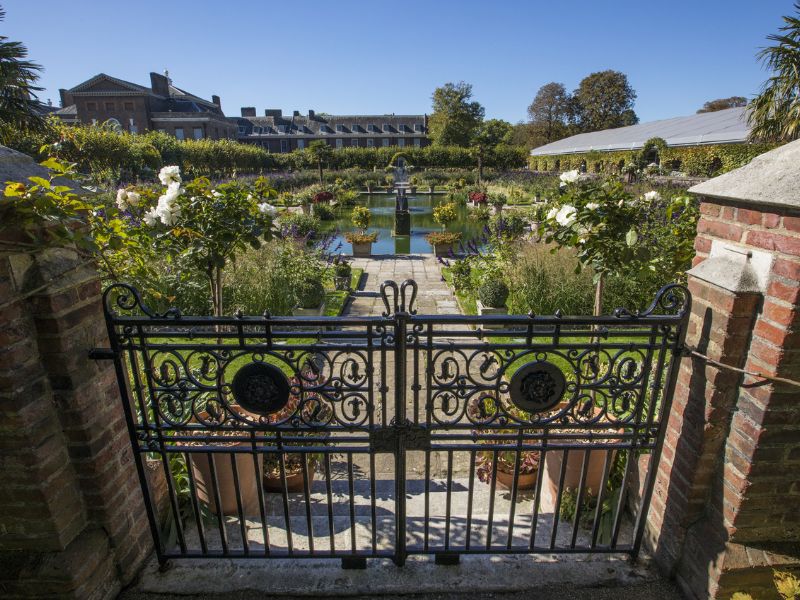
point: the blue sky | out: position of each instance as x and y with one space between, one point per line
350 57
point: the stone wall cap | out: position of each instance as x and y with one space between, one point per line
771 179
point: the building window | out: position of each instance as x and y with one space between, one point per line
179 133
128 105
281 128
370 142
401 142
339 142
385 142
354 142
132 126
109 106
417 142
301 144
91 106
401 128
198 133
371 128
354 128
386 128
340 129
418 127
242 129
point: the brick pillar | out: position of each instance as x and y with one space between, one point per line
726 504
72 522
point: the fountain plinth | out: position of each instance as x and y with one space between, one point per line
402 217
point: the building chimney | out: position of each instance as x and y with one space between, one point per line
215 100
310 114
296 113
66 98
248 111
273 112
159 84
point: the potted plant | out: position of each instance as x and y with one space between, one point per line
478 198
444 214
342 274
320 202
310 297
413 181
498 201
223 472
442 242
295 463
505 466
362 241
389 180
492 296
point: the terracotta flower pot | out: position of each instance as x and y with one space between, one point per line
525 481
294 482
246 471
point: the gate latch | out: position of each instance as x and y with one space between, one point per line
412 436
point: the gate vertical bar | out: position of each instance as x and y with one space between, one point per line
401 322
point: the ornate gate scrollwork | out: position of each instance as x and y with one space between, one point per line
537 387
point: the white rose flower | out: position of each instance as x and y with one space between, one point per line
566 216
134 198
216 194
551 214
169 214
621 203
592 206
171 174
267 209
122 199
151 216
569 176
651 196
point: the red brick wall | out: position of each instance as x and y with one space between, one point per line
71 514
727 482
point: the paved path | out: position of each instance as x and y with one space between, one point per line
434 294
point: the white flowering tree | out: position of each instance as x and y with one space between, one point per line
202 224
614 232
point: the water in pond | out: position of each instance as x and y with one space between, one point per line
421 208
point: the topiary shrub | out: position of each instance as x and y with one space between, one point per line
310 292
493 292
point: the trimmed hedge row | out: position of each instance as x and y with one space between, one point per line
109 154
697 161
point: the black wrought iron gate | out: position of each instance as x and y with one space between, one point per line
358 437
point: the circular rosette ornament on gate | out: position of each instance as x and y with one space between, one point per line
537 387
260 388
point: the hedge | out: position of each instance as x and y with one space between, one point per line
109 154
696 161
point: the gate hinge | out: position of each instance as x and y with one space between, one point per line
102 354
410 435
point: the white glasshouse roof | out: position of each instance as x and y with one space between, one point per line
721 127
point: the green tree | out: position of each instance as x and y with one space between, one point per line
321 152
488 135
18 76
722 104
604 100
775 113
455 117
549 112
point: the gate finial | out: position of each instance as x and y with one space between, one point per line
398 299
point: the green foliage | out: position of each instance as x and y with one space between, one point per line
775 112
324 212
455 117
508 225
310 292
722 104
462 274
493 292
18 77
480 213
549 114
604 100
443 238
444 214
299 225
703 161
361 217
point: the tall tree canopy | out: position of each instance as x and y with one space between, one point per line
722 104
605 100
549 112
775 113
455 117
18 76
